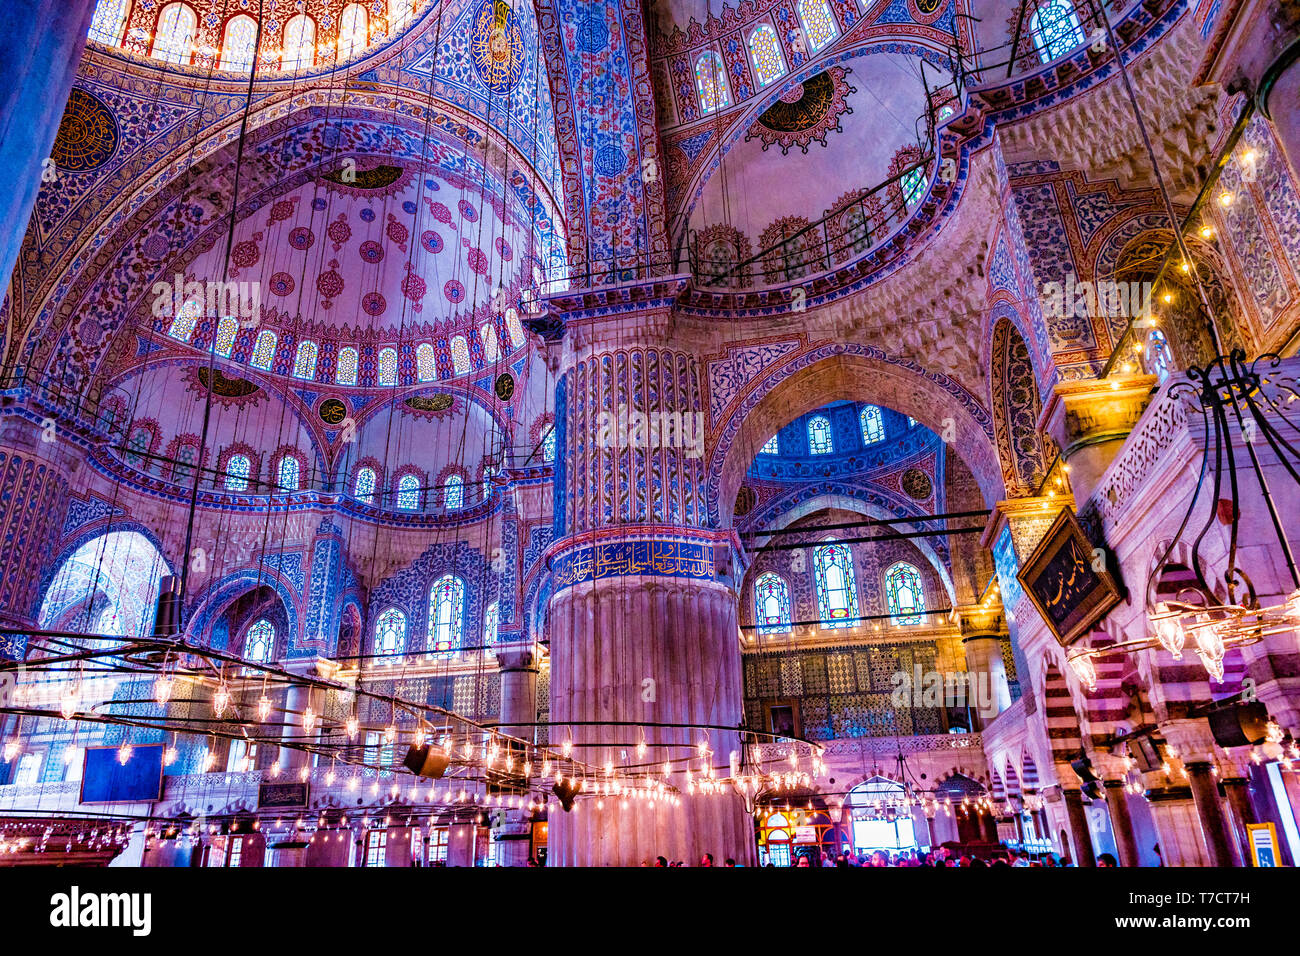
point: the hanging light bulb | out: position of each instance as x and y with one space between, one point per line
390 734
69 701
1081 663
1167 624
1211 647
11 749
124 752
221 700
162 689
263 709
309 721
352 725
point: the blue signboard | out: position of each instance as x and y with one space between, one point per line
105 779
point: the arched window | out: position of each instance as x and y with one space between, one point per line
426 363
837 591
186 455
771 604
173 42
363 489
765 55
139 445
288 473
260 642
299 49
771 447
818 24
408 493
390 635
913 185
491 620
711 82
264 350
446 611
515 328
873 425
1159 359
819 436
904 594
186 321
346 373
239 48
117 573
304 363
459 354
110 18
1055 28
488 333
238 470
388 366
224 342
353 28
453 493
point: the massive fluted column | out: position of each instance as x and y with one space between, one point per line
643 618
518 714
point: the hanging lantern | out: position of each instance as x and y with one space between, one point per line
1081 663
1167 624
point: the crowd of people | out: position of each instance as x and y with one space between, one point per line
940 856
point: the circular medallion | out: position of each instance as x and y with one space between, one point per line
87 135
497 46
917 484
332 411
505 386
927 11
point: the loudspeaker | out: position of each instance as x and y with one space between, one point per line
566 794
1239 725
1083 767
426 762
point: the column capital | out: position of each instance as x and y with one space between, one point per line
976 621
518 659
1090 419
1191 738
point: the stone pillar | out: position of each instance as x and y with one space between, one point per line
297 699
518 713
989 693
1090 419
1121 822
1080 835
1237 791
41 46
1214 825
460 842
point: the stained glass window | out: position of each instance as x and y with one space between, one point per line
227 329
299 43
491 619
459 354
352 29
260 641
446 609
304 363
765 55
426 365
818 24
186 321
1159 359
515 328
711 81
1055 29
287 473
390 634
238 469
819 436
174 40
837 591
904 594
110 18
408 493
857 229
388 366
363 489
489 335
548 445
771 447
264 350
238 48
453 494
873 425
771 604
346 372
913 185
